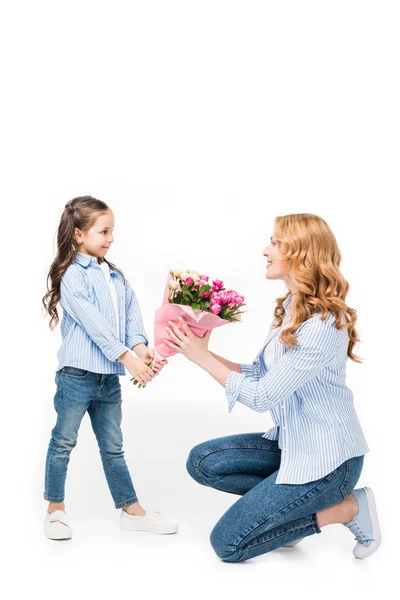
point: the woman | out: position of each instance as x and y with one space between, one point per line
300 475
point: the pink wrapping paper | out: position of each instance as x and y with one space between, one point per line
199 323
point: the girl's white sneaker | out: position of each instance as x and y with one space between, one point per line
57 526
153 521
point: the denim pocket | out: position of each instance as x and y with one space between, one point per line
75 373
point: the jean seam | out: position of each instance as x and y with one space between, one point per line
283 510
343 485
229 447
51 453
104 452
265 539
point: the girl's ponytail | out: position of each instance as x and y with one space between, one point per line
81 213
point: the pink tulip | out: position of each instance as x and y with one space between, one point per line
218 284
204 277
189 281
206 294
216 309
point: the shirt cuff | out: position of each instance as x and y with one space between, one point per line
232 388
246 369
136 339
115 351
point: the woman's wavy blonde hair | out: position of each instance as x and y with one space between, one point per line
311 258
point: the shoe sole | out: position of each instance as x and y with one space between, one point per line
361 551
132 527
57 537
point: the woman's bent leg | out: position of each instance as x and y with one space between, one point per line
235 463
272 515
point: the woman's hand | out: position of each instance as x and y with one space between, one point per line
186 343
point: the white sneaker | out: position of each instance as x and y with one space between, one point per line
365 525
57 526
153 521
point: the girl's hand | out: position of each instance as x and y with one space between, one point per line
186 343
147 356
139 370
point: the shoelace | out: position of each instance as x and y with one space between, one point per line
360 536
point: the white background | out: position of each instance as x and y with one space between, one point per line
198 123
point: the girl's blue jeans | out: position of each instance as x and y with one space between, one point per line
80 391
268 515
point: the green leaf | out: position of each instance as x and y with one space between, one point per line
196 307
204 288
187 294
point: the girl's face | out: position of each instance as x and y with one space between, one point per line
274 268
98 239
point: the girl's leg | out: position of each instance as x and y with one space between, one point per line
273 515
235 463
106 416
71 401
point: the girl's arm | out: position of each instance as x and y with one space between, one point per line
74 300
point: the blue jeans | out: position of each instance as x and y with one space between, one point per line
79 391
268 515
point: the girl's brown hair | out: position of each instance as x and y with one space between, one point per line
81 212
312 259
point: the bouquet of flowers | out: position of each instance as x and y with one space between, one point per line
203 306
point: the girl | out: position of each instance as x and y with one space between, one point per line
297 477
100 326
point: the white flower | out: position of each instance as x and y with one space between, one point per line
174 285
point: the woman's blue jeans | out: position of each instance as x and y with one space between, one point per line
79 391
268 515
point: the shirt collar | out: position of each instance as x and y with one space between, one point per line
288 299
85 260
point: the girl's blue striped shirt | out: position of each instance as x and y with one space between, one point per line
88 327
314 417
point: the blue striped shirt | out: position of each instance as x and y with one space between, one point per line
315 420
90 338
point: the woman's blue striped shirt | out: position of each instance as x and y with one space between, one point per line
305 392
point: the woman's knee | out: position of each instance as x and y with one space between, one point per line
221 539
192 463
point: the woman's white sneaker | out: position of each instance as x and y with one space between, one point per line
57 526
153 521
365 525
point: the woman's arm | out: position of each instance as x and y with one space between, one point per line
317 347
231 365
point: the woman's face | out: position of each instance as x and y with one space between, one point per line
274 268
